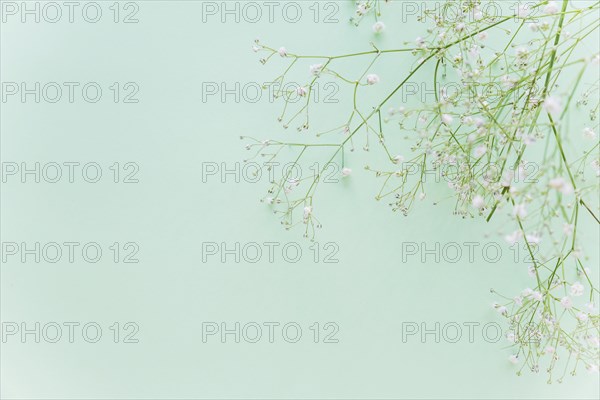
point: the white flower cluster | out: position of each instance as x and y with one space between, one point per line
499 132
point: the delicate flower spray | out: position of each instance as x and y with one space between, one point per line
502 138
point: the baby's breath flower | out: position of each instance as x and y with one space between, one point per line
532 238
521 52
566 302
307 211
507 81
478 202
561 185
592 368
577 289
361 9
316 69
301 91
551 8
372 79
518 300
513 238
589 133
523 10
511 337
282 52
582 317
596 166
568 229
447 119
346 171
594 341
378 27
552 105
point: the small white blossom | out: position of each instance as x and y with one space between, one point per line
507 81
372 79
590 307
478 202
523 10
552 105
522 52
592 368
511 337
566 302
513 359
577 289
378 27
589 133
307 211
447 119
593 341
346 171
537 296
568 229
398 159
474 51
582 317
532 238
561 185
513 238
596 166
518 300
527 292
315 69
282 51
551 8
301 91
520 211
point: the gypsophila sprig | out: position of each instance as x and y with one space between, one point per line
498 130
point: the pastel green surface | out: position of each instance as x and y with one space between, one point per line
169 133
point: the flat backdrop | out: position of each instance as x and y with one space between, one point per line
139 262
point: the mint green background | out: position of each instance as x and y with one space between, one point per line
171 212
